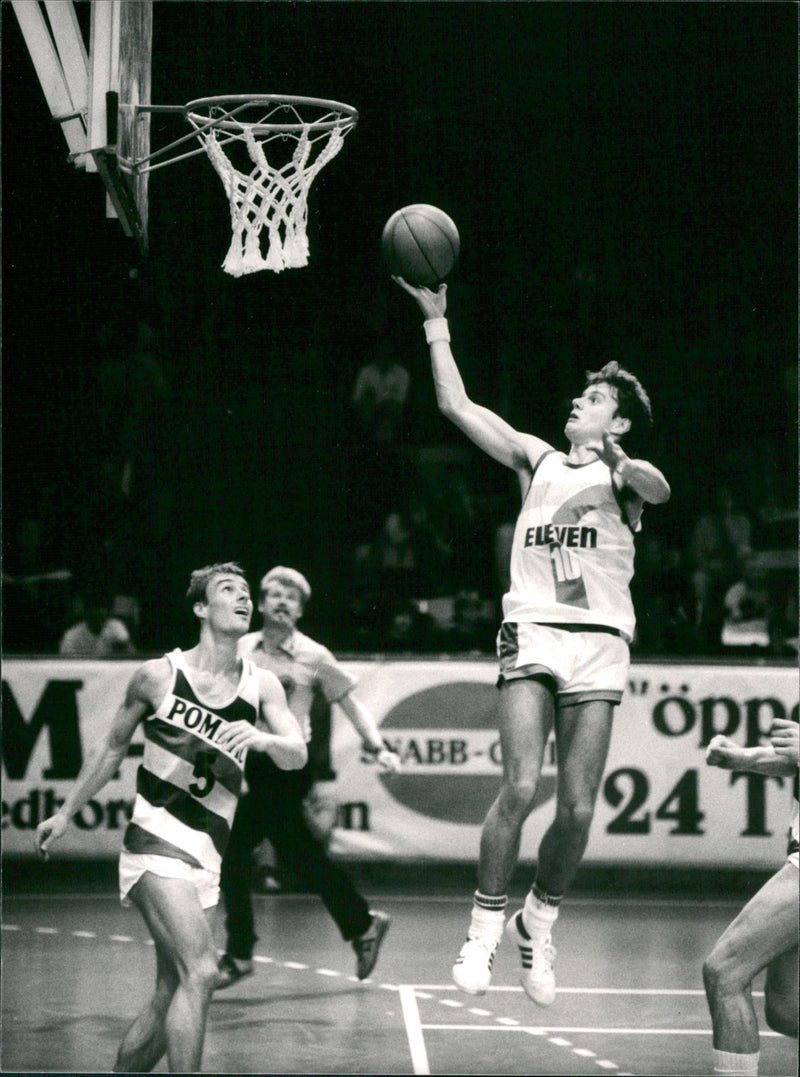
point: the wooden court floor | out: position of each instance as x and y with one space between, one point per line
76 968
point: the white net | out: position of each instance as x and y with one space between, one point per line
269 203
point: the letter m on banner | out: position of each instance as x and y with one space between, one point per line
57 709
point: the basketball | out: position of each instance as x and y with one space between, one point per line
420 244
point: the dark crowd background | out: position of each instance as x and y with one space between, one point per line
624 179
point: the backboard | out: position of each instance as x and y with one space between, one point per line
91 90
121 49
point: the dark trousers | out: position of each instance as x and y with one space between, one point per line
273 809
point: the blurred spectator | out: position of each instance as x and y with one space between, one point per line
379 395
662 599
129 482
411 628
431 550
409 558
37 589
376 460
748 609
720 543
97 634
467 521
502 539
126 608
395 558
472 629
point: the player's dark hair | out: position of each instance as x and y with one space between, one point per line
632 401
202 577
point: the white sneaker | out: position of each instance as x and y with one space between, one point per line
537 976
472 972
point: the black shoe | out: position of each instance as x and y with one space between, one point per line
231 971
368 945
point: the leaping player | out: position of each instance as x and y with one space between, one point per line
202 711
563 644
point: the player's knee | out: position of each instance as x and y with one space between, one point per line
517 796
720 976
202 972
710 976
713 972
575 816
781 1013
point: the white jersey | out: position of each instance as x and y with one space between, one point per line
572 553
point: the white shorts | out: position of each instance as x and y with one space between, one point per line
579 665
132 867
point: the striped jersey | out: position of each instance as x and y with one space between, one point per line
187 786
572 551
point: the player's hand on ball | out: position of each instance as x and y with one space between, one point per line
47 832
432 304
723 752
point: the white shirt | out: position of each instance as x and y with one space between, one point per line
112 639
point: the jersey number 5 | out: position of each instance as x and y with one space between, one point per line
203 763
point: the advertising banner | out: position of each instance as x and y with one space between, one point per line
659 804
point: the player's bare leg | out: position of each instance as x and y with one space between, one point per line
764 930
526 716
182 932
583 735
781 994
145 1042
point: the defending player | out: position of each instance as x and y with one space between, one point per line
563 643
764 934
202 710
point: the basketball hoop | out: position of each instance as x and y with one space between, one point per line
303 135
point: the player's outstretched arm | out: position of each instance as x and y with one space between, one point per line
147 685
762 759
367 727
489 432
277 733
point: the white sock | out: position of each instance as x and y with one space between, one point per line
538 918
487 922
732 1064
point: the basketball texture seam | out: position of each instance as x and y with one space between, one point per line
421 244
434 269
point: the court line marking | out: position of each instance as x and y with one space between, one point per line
499 988
416 1040
509 1024
434 899
543 1030
415 1029
511 989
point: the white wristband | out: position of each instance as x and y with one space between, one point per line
436 329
